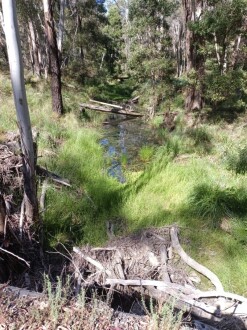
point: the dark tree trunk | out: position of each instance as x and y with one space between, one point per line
54 65
194 60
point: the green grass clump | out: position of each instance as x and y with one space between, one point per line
145 153
237 160
214 202
201 139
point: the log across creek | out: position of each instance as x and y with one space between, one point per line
126 110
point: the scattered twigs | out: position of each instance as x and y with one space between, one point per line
164 258
14 255
192 263
2 214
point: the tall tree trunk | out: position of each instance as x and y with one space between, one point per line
60 28
17 78
54 66
194 61
34 47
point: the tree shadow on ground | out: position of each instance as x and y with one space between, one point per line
227 114
79 214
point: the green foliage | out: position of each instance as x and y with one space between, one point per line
225 90
82 213
57 297
112 91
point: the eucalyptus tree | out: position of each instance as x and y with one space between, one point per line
54 65
215 33
17 78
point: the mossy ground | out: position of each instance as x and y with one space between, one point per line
195 178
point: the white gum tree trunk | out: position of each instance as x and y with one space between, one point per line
17 78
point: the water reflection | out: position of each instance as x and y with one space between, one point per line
122 142
115 170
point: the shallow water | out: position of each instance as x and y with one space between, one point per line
122 141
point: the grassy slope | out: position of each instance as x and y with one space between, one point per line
186 182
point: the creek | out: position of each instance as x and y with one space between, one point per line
122 139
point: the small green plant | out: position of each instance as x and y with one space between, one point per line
145 153
57 296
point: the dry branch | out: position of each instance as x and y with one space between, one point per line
96 263
192 263
14 255
48 174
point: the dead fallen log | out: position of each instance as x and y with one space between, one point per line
20 293
105 109
136 264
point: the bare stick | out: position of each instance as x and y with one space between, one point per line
22 217
14 255
42 196
163 256
96 263
192 263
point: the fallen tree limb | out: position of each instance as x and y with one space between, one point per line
42 196
96 263
16 256
109 104
20 293
192 263
56 178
